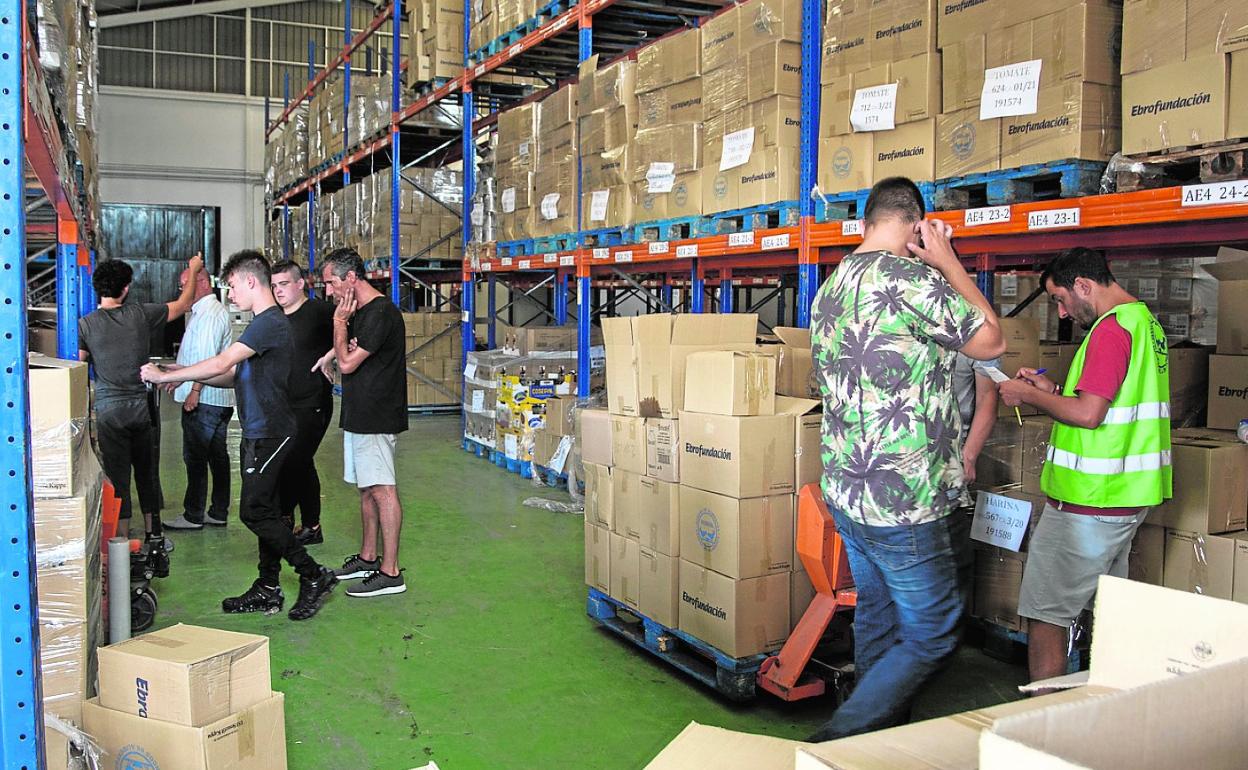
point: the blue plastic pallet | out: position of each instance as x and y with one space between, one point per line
606 236
476 448
673 229
732 677
549 243
1025 184
516 248
852 204
782 214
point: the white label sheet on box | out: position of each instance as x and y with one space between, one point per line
598 205
875 108
550 206
660 177
1000 521
737 148
1010 90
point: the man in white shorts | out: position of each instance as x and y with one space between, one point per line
369 346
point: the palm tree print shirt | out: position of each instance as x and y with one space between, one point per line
885 330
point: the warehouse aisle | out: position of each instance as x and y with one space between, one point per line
488 660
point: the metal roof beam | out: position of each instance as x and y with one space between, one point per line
183 11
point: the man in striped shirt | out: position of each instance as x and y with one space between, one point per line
206 412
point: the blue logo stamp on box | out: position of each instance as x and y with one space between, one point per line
708 529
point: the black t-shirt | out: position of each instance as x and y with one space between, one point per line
374 397
120 341
261 384
312 335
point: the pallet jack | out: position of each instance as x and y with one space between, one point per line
788 674
143 604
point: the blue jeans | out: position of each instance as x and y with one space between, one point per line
907 623
203 447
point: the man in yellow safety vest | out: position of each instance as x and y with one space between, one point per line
1108 459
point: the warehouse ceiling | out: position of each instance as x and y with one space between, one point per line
114 13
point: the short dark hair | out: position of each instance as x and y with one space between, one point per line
287 266
343 261
1077 263
896 196
248 261
111 278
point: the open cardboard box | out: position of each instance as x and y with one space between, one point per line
1158 681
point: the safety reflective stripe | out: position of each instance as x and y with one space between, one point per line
1121 415
1109 466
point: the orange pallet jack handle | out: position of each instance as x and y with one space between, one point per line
823 555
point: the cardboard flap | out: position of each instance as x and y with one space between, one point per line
617 332
1232 265
1064 682
1132 646
714 328
703 746
793 336
40 361
185 644
795 406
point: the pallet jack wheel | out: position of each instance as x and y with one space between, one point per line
143 608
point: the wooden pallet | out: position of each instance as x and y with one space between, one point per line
1026 184
1198 164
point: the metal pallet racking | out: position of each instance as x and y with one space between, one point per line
36 173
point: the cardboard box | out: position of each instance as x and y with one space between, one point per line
673 105
1175 105
61 455
1146 563
625 571
738 617
731 383
773 69
725 89
599 501
660 587
737 538
967 145
189 675
1073 120
1210 486
761 22
1228 391
67 666
1149 34
769 176
556 111
962 66
703 746
846 163
560 412
618 211
58 392
960 20
667 62
663 449
1078 43
659 515
1189 386
684 199
836 100
794 363
598 558
253 738
646 356
1201 564
1216 25
901 29
908 151
737 456
680 145
1231 270
626 499
628 444
998 577
845 40
721 41
1237 109
1022 344
594 436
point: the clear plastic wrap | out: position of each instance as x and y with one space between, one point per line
67 662
1073 120
67 550
59 453
67 746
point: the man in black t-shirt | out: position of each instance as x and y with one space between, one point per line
258 367
370 346
117 340
311 397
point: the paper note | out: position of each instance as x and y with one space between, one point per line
660 177
478 217
560 457
1001 521
1010 90
996 374
737 148
509 200
511 446
550 206
478 401
598 205
875 108
470 371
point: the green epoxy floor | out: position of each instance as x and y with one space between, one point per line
488 660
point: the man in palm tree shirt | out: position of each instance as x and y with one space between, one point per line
885 329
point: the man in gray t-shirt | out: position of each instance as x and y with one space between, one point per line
116 339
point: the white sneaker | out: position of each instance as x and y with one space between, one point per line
182 523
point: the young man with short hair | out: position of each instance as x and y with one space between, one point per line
206 412
117 340
885 329
370 345
311 397
258 367
1109 452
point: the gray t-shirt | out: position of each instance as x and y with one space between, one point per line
964 370
119 341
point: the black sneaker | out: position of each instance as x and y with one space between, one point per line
258 598
158 558
309 536
312 594
354 567
378 584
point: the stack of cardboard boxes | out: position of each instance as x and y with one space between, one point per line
1180 292
188 698
1076 90
690 480
554 193
1185 73
286 153
751 89
1228 369
515 160
867 49
435 40
67 483
434 345
607 120
667 158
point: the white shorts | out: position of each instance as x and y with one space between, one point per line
368 459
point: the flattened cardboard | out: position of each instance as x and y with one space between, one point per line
705 746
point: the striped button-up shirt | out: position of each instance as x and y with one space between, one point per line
207 334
